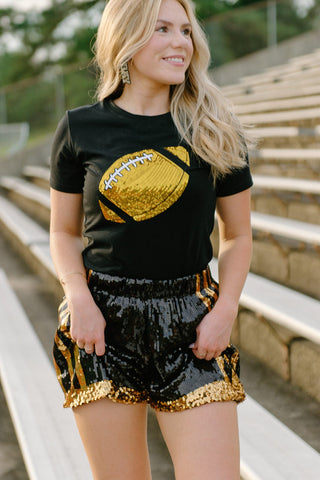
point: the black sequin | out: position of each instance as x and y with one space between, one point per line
149 327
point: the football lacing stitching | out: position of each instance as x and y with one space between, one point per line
125 166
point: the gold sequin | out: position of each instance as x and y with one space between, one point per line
181 153
109 214
85 378
104 389
65 352
218 391
143 184
205 300
78 368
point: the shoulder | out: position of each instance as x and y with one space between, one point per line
85 112
88 120
238 180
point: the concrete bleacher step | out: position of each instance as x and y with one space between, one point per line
32 198
268 448
21 226
304 80
305 117
287 137
296 63
287 251
287 184
37 174
307 57
290 309
47 434
286 228
288 154
300 163
282 74
30 240
287 197
280 327
278 105
275 93
297 70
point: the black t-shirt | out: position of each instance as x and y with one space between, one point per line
148 201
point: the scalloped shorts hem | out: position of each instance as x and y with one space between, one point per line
150 325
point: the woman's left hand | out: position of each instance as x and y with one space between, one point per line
214 331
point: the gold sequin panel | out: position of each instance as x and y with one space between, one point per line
143 184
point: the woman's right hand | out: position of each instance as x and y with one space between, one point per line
66 244
87 323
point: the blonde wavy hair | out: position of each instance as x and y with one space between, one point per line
203 116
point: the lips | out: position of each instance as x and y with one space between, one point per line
174 60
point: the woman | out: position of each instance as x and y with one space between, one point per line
145 167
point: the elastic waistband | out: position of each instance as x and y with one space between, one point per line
146 288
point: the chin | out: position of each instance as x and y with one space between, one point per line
175 80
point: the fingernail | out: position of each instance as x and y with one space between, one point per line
192 345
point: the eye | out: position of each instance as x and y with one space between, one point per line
162 29
187 32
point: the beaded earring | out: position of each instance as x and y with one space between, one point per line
125 74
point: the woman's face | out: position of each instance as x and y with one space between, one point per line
166 57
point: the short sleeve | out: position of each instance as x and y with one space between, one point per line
66 172
235 182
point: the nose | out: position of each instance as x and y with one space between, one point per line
178 39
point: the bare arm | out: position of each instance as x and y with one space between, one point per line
235 240
87 322
235 244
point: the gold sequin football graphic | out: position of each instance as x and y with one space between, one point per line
143 184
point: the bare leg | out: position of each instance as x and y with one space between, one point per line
114 437
203 441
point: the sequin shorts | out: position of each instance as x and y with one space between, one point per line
149 327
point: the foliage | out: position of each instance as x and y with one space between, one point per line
60 34
244 31
63 32
34 42
207 8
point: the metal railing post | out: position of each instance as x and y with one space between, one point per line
272 23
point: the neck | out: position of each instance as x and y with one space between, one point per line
143 101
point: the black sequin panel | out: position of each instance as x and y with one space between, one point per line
149 327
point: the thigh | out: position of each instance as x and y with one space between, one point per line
115 439
203 441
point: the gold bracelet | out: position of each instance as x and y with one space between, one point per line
62 279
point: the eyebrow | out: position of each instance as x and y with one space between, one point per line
166 22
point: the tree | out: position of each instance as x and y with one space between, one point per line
45 38
208 8
62 33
